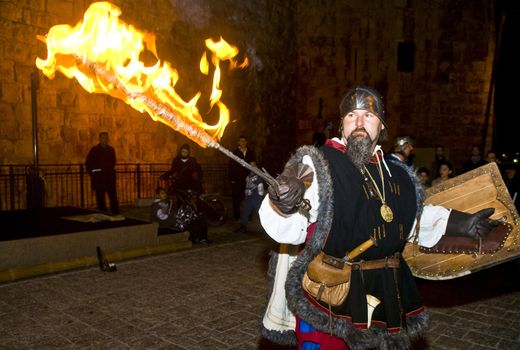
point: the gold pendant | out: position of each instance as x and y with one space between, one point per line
386 213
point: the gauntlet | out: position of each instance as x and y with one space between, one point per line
287 194
475 226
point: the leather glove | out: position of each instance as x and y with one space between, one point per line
475 225
287 194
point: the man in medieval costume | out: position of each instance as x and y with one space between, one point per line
334 199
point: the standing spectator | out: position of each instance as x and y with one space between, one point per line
237 174
254 192
439 158
475 160
491 157
445 173
100 163
185 171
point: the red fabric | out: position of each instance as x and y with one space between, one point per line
343 149
336 145
325 340
310 230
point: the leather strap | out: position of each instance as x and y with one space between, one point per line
391 262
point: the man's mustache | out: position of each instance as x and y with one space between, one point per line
358 130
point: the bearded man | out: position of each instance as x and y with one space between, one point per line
334 200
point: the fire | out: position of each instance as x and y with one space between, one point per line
103 54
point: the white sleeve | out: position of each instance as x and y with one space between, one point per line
434 220
291 229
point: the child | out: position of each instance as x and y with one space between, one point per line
254 193
174 217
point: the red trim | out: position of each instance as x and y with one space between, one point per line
415 312
342 148
336 145
310 230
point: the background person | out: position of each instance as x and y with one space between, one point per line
185 171
173 217
100 163
439 157
237 174
475 160
445 173
423 174
402 150
253 195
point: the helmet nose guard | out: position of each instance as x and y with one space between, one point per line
364 98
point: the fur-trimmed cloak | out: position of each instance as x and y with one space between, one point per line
299 303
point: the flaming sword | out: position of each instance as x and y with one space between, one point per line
102 43
178 123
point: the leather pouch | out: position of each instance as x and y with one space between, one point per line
327 279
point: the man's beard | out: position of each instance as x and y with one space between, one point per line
359 149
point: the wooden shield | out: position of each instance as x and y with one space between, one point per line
470 192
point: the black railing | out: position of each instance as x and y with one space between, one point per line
69 185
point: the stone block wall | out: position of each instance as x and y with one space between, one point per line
303 56
441 100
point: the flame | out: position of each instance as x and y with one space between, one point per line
114 47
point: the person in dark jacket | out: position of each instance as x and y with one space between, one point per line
100 163
475 160
237 174
185 171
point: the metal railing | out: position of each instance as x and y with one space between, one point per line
69 185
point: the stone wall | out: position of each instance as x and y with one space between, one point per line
442 100
69 118
303 55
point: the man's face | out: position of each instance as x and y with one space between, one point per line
242 142
439 151
103 139
361 123
491 157
184 153
408 149
163 195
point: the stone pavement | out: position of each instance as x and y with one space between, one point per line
211 297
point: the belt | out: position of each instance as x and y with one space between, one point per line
391 262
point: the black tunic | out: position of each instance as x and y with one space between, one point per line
356 218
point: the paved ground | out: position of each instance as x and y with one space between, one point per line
211 296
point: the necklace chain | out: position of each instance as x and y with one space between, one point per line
382 195
385 210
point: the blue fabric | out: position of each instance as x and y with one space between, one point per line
307 328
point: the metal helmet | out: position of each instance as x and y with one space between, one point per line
365 98
401 142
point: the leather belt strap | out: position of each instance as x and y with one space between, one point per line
391 262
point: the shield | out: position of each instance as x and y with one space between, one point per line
470 192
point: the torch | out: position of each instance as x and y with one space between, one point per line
102 54
176 122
